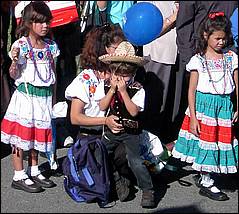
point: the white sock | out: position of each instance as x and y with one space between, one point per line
19 175
33 170
207 181
215 189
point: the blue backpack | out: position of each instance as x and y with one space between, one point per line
86 172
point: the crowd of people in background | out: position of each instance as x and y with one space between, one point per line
183 89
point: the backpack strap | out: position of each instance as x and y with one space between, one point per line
88 176
73 167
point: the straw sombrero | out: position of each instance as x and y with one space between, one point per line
123 53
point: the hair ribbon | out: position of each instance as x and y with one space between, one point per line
216 14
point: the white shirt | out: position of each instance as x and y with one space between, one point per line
220 70
44 74
84 87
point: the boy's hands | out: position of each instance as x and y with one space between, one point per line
121 84
112 123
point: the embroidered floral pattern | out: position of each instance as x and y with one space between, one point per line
86 76
90 83
92 89
38 55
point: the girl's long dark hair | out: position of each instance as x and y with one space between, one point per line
210 25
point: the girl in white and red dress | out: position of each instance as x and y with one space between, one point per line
207 137
27 122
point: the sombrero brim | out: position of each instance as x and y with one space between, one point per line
108 58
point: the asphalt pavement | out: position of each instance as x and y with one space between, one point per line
176 193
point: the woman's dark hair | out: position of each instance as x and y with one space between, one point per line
94 46
215 22
35 12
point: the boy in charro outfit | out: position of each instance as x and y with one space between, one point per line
125 98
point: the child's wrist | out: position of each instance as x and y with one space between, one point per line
105 121
112 91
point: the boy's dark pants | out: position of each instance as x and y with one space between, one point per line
132 147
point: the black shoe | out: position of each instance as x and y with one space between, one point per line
47 183
197 179
56 172
148 200
122 189
206 191
20 184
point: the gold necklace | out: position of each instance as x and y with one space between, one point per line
223 76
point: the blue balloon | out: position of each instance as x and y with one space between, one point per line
142 23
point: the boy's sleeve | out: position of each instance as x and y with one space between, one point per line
138 99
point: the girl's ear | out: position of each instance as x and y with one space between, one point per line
205 35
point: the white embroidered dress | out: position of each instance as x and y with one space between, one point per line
27 122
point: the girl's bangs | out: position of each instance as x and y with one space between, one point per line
41 18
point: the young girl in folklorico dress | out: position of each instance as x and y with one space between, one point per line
27 122
206 138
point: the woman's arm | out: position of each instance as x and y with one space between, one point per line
169 22
78 117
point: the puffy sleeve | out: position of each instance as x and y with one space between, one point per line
195 64
23 51
138 99
55 51
77 89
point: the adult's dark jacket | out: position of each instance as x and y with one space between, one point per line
190 15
